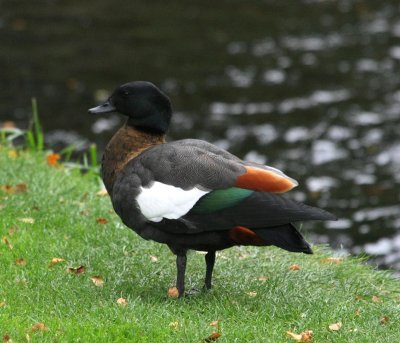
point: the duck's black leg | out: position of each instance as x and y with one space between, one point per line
210 261
181 268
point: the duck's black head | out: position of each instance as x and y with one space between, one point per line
146 106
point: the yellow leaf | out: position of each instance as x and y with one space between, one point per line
294 267
335 326
103 192
332 260
251 294
122 301
215 323
39 327
2 303
54 261
27 220
173 292
174 325
303 337
13 154
97 280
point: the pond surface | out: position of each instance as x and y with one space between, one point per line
310 87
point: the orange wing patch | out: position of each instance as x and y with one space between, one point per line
264 180
244 236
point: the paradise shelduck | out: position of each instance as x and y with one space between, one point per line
190 194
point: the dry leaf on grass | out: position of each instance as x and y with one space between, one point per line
173 292
213 337
153 258
39 327
52 159
383 320
304 337
122 301
54 261
2 303
7 339
376 299
335 326
6 241
20 262
27 220
251 294
97 280
215 323
78 270
332 260
103 192
174 325
294 267
262 278
101 220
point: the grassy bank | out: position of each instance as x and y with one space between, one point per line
50 211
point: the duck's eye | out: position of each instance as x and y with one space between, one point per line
125 93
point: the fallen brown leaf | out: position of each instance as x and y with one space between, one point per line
7 339
21 188
376 299
8 189
79 270
304 337
335 326
7 242
358 312
39 327
122 301
213 337
173 292
97 280
101 220
359 297
332 260
383 320
54 261
262 278
20 262
294 267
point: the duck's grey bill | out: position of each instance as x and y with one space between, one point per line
104 108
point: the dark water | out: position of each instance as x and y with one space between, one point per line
310 87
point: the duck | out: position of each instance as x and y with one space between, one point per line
190 194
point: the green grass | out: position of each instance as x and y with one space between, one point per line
65 209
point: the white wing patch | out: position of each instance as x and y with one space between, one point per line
165 201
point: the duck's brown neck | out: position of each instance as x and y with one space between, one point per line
125 145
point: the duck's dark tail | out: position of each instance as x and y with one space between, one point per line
286 237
